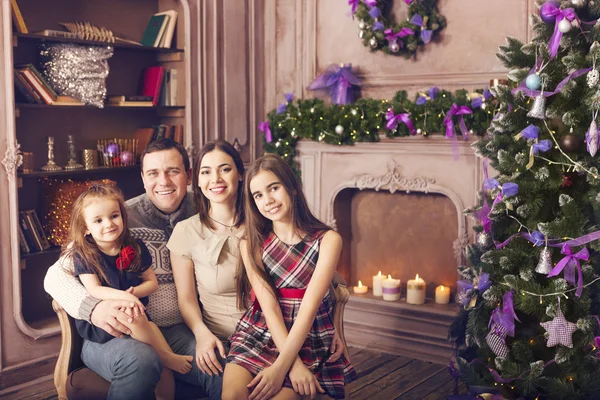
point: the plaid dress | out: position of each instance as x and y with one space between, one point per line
291 266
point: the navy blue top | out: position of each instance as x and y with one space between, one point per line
121 280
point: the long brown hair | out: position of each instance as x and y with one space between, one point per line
200 201
258 227
84 246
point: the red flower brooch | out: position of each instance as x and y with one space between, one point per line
126 258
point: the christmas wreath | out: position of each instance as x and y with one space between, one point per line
378 33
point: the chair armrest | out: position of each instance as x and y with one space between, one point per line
70 349
341 298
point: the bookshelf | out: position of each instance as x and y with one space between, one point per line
28 125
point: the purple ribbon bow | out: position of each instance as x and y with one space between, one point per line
478 101
569 263
481 282
505 317
531 132
339 79
425 33
542 146
432 93
567 13
378 26
282 107
354 5
408 1
375 12
456 110
370 3
390 36
537 238
394 120
264 128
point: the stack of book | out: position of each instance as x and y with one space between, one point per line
31 86
158 87
130 101
147 135
31 235
160 29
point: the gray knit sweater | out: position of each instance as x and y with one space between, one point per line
152 226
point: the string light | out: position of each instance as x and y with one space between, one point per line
523 292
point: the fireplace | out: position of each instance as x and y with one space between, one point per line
398 205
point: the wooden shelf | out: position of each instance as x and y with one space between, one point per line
82 171
117 46
54 250
106 106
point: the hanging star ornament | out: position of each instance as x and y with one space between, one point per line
560 330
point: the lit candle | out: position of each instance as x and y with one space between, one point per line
377 279
360 289
415 291
442 294
390 289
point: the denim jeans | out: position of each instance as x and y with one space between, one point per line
182 341
132 368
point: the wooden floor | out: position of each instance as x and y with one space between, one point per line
380 377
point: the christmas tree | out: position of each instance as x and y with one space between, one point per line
528 326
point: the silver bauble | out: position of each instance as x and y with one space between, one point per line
362 25
545 263
361 34
373 43
592 78
578 3
394 47
484 241
339 129
539 108
565 26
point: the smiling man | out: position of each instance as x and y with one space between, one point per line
133 368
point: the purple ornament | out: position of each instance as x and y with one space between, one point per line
547 11
112 149
127 158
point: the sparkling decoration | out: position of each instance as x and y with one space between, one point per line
112 149
546 13
533 82
592 78
570 142
544 265
496 339
560 330
539 108
565 26
592 139
118 152
379 32
339 129
484 241
59 196
127 158
76 70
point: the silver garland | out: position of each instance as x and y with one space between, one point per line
78 71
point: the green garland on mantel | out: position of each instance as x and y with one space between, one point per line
364 120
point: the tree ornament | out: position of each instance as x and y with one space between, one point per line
394 47
373 43
565 26
592 139
496 339
484 241
362 25
575 23
361 34
569 142
560 330
578 3
546 11
592 78
339 129
538 110
533 82
544 265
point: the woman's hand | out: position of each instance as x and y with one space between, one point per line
137 306
206 358
267 383
336 349
304 382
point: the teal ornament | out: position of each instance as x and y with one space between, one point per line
533 82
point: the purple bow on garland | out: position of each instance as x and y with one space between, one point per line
354 4
505 317
478 101
264 128
422 99
394 120
375 12
339 79
456 110
569 263
425 33
288 99
392 37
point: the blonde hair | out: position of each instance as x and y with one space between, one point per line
84 246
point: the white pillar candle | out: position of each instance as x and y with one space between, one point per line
390 289
415 291
377 279
360 289
442 294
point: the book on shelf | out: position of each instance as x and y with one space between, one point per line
130 101
24 91
27 233
36 228
57 33
38 83
17 18
23 246
66 101
154 30
167 37
168 91
144 137
151 83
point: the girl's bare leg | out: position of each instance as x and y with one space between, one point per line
235 382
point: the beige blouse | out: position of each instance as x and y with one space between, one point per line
215 261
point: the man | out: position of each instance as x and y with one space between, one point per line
132 367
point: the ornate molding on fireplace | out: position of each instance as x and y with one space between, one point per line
394 181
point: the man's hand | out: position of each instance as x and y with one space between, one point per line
106 316
336 349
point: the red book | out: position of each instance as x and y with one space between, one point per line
151 83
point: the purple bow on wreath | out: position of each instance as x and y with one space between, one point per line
354 4
478 101
288 99
425 33
339 79
264 128
394 120
456 110
422 99
569 263
392 37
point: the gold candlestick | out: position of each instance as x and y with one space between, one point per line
72 163
51 166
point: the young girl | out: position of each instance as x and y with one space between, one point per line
112 265
289 258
